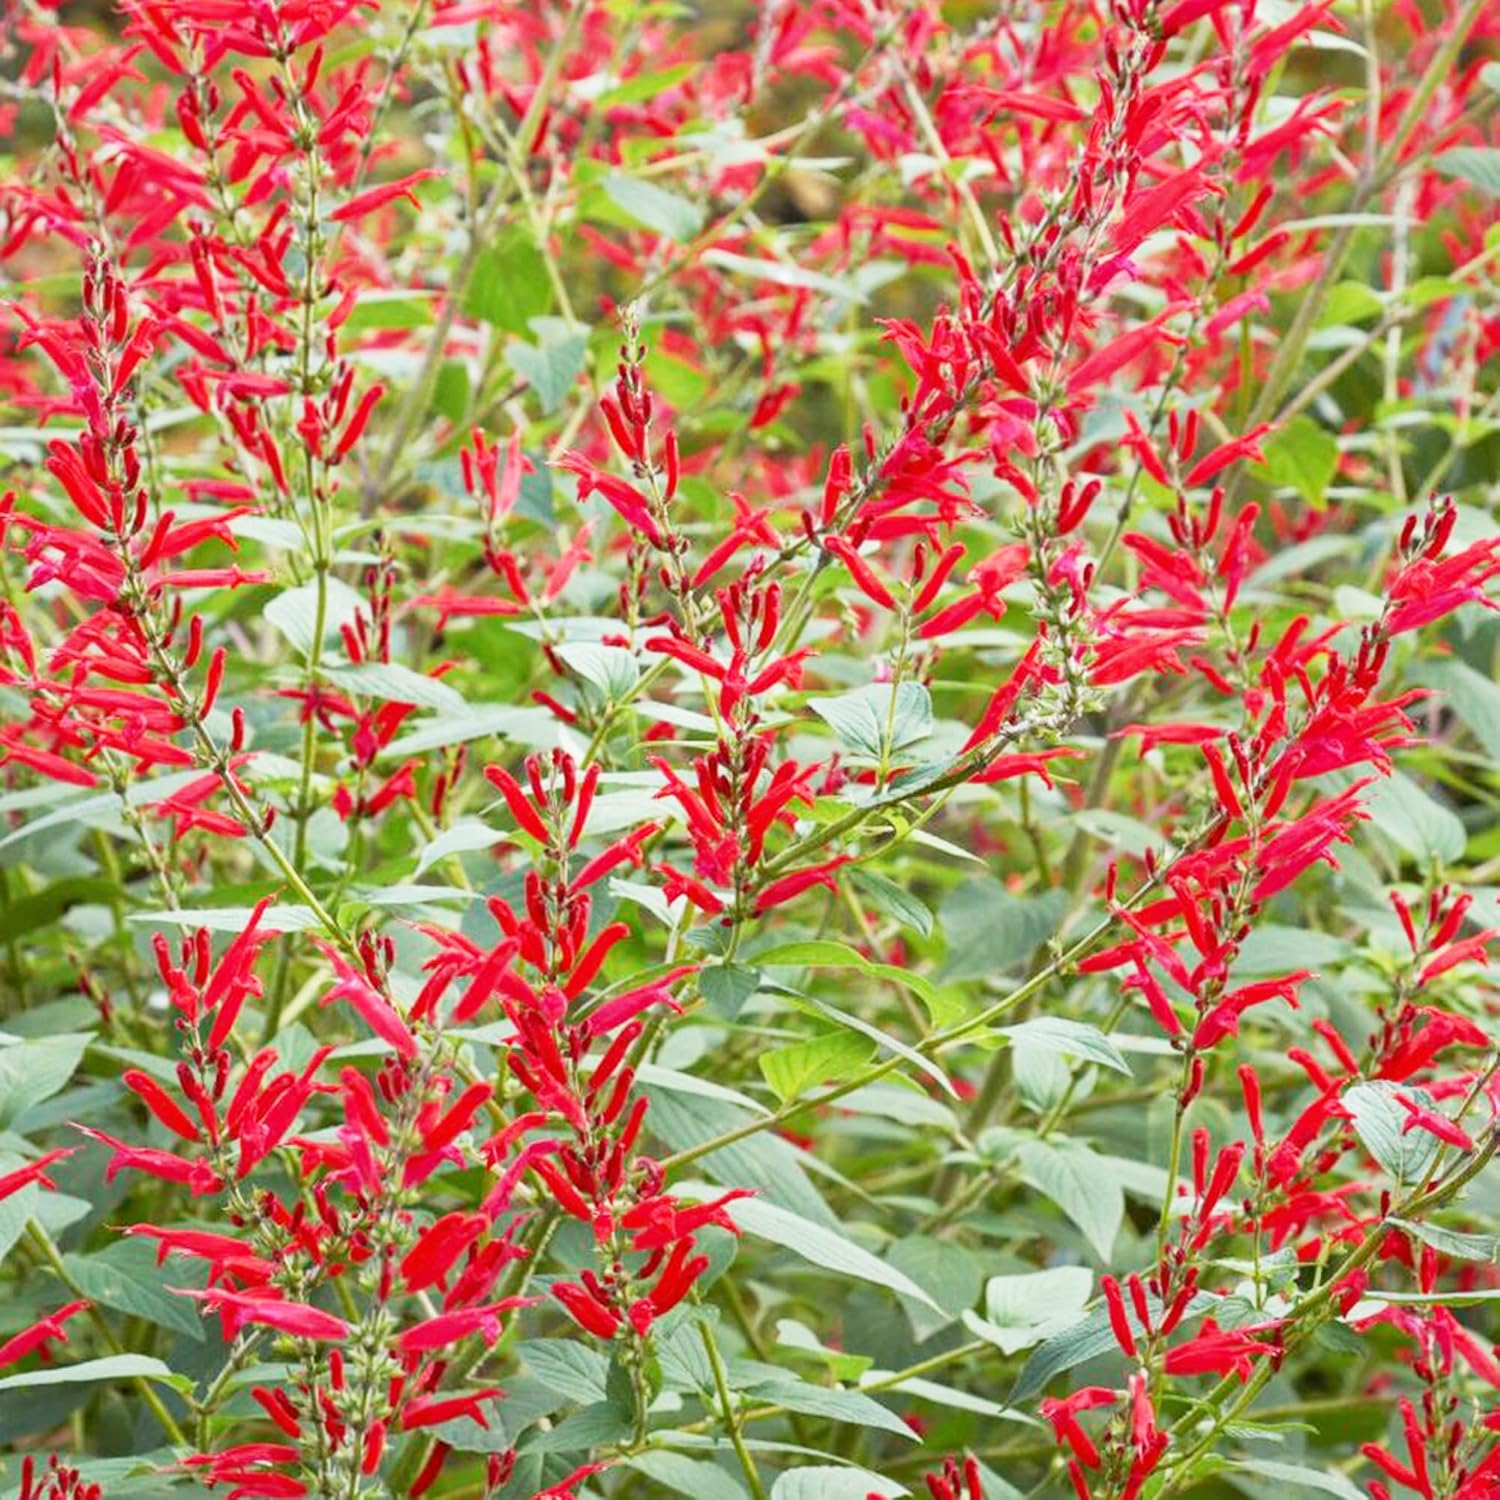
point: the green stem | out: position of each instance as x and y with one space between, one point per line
46 1248
726 1403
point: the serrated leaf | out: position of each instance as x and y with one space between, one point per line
1082 1184
831 1058
35 1069
1482 1248
570 1368
549 368
893 901
878 720
294 612
1075 1039
990 931
1303 455
392 683
509 286
823 1247
462 838
833 1482
1328 1481
125 1276
653 207
923 1065
1479 165
728 988
841 1406
1380 1122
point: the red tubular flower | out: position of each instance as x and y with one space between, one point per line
1216 1351
46 1330
432 1411
294 1318
374 1009
387 192
588 1311
453 1327
161 1104
790 886
1062 1413
33 1171
1448 1131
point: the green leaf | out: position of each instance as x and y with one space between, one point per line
570 1368
823 953
923 1065
1070 1038
762 1161
781 273
1082 1184
535 727
892 900
823 1247
35 1069
509 286
1474 697
592 1427
1023 1310
549 368
294 612
682 1475
728 988
53 1211
611 669
1483 1248
26 914
113 1367
463 837
1349 302
1064 1350
1303 456
231 918
831 1058
1122 832
1380 1124
833 1482
990 931
878 720
1417 822
125 1276
644 86
392 683
402 308
841 1406
1479 165
1328 1481
654 208
947 1272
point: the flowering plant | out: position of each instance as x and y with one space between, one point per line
747 754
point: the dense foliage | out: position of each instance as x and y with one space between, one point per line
748 752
